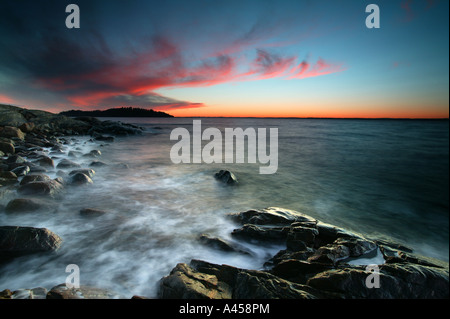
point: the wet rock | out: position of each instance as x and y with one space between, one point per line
12 132
220 244
298 271
83 292
7 148
24 240
8 178
86 171
92 212
331 253
79 179
209 281
252 232
27 127
15 159
272 216
22 205
397 281
44 188
184 282
34 178
65 163
93 153
21 170
299 237
226 177
97 164
45 161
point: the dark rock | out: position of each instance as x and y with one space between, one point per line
298 271
74 154
97 164
226 177
272 216
65 163
7 148
252 232
21 170
218 243
34 178
93 153
80 179
45 161
92 212
12 132
202 280
331 253
15 159
397 281
298 237
46 188
21 205
86 171
84 292
27 127
15 239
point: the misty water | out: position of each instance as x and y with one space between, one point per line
383 178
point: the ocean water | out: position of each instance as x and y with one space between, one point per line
382 178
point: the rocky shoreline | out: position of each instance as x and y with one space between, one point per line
320 261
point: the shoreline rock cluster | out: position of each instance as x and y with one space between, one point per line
314 265
32 144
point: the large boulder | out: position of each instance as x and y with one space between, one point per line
23 240
203 280
12 132
65 163
50 188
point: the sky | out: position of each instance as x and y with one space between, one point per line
246 58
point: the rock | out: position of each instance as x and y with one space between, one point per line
93 153
298 271
12 132
97 164
27 127
220 244
45 161
184 282
86 171
21 205
92 212
226 177
397 281
21 170
74 154
331 253
79 179
45 188
34 178
209 281
10 115
35 293
15 159
298 237
7 148
11 176
65 163
272 216
252 232
357 246
83 292
24 240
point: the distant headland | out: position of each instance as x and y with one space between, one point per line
117 112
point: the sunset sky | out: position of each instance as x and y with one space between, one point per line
229 58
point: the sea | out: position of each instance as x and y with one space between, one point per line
386 179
